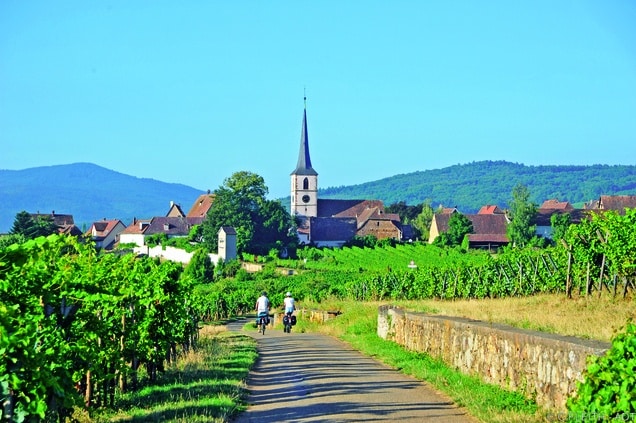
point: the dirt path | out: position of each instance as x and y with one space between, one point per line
302 377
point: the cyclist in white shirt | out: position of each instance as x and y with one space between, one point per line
262 305
290 304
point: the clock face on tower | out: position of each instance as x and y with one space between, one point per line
305 199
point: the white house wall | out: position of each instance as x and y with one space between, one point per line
171 253
137 239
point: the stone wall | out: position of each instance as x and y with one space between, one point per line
539 365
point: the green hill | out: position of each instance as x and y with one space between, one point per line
90 192
470 186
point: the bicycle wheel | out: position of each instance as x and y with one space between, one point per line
263 324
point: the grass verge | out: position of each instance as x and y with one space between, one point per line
206 385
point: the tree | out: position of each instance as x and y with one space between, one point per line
560 223
273 228
522 211
228 209
24 224
200 268
458 227
407 213
422 222
260 224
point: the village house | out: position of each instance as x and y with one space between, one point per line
175 224
64 222
105 233
617 203
140 229
489 227
543 218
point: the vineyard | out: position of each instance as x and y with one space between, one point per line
597 257
77 326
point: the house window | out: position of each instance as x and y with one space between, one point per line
166 226
306 183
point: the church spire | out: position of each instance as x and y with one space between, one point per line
303 167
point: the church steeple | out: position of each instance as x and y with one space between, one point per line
303 167
304 179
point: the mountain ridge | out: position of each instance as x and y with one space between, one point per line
80 189
88 192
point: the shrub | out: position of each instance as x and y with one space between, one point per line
608 390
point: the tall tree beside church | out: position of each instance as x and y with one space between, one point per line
522 211
240 202
274 228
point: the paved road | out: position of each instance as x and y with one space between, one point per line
302 377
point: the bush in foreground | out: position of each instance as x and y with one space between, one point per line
608 390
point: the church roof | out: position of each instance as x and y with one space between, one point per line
303 167
345 208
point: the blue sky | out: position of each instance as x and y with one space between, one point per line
191 92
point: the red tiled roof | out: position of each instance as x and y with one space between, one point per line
138 226
490 209
102 227
201 206
346 208
488 238
448 210
617 202
555 204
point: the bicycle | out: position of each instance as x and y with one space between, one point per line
261 322
288 321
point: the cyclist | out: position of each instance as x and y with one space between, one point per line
262 307
290 306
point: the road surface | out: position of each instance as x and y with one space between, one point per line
309 377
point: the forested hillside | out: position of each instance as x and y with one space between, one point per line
90 192
470 186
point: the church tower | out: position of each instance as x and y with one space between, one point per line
304 179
